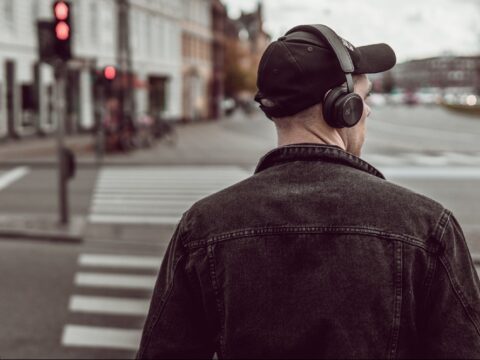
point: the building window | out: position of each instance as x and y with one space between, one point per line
94 22
9 13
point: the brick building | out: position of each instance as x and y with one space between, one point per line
248 40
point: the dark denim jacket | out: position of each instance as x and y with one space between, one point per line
315 256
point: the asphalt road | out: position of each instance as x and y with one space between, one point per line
89 300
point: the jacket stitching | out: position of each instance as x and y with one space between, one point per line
309 230
441 224
453 283
438 233
158 313
220 305
458 292
398 248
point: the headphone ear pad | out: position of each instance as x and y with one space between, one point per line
329 112
348 110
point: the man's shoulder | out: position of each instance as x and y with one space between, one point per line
355 199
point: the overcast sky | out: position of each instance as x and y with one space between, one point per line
414 28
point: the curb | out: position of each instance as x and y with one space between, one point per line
42 228
40 236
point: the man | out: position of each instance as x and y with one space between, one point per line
316 255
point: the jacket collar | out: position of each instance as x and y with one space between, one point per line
314 152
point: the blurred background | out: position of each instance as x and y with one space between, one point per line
117 115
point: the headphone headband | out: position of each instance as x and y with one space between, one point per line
335 44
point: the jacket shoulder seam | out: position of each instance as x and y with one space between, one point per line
270 231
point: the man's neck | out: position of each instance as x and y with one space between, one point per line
299 136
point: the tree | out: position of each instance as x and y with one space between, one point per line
237 79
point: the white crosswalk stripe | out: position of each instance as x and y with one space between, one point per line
99 337
107 305
9 177
93 276
443 158
156 195
115 281
119 261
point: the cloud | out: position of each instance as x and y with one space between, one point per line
413 28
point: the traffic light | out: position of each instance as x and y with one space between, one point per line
110 73
63 29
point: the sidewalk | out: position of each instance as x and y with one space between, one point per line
236 140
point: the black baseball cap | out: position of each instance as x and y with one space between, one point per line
297 70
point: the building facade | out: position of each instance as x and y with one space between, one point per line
217 94
26 87
197 59
439 72
247 41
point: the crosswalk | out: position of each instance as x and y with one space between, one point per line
155 195
109 287
441 158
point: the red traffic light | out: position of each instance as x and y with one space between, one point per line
110 72
61 10
62 31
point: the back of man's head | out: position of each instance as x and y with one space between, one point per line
300 68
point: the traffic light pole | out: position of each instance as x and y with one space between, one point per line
60 76
100 130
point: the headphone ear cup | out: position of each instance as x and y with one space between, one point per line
348 110
329 108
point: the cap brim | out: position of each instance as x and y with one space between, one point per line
374 59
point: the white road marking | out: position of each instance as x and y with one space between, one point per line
423 133
101 337
124 219
128 195
156 195
116 281
445 158
108 305
119 261
10 177
169 211
452 172
141 202
464 159
429 160
141 191
385 159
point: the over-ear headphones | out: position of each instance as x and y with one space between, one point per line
341 106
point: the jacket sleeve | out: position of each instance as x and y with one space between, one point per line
453 307
175 325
